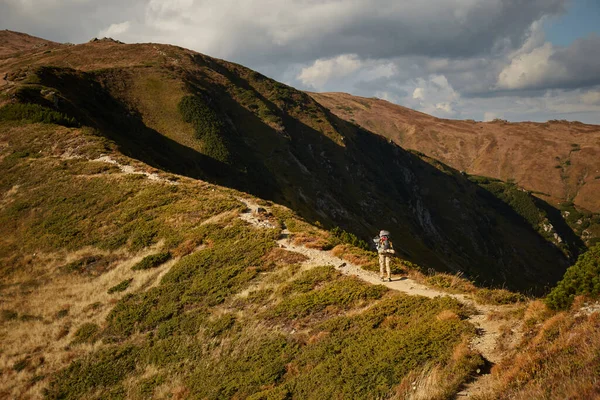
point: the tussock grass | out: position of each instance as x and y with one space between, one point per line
457 283
558 360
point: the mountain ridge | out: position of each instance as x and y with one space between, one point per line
281 145
563 170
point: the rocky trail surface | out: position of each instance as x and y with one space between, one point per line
489 329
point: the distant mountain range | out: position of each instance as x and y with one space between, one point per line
558 161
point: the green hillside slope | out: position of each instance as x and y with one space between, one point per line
277 143
121 281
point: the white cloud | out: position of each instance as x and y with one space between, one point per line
115 30
548 66
489 116
419 94
318 74
591 98
531 69
435 96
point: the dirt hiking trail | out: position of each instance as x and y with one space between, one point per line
489 330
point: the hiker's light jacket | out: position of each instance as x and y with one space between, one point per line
385 246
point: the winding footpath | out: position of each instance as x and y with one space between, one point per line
488 329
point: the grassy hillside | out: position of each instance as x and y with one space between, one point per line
122 281
557 358
192 115
128 268
564 233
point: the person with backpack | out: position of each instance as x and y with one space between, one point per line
385 249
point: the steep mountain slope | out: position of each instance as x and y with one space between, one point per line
263 137
557 160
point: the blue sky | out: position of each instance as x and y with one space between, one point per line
521 60
582 18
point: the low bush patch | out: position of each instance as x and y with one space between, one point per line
121 287
152 261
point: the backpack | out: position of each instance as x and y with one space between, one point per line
384 243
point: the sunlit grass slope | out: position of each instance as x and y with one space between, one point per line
116 284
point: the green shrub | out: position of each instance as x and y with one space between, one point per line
240 373
152 261
205 120
144 235
144 311
348 238
341 293
35 113
21 365
583 278
520 201
215 146
146 386
208 127
220 325
82 265
87 333
9 315
121 287
102 370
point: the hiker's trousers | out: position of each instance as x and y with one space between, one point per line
384 262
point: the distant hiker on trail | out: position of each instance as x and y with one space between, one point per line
385 248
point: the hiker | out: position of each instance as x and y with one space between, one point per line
385 250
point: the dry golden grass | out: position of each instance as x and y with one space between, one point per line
505 341
515 313
423 385
560 361
59 307
435 382
310 240
447 315
280 256
352 254
535 312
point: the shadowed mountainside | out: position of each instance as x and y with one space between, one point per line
556 160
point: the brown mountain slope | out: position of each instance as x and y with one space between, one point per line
15 42
558 160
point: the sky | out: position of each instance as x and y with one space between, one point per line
520 60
